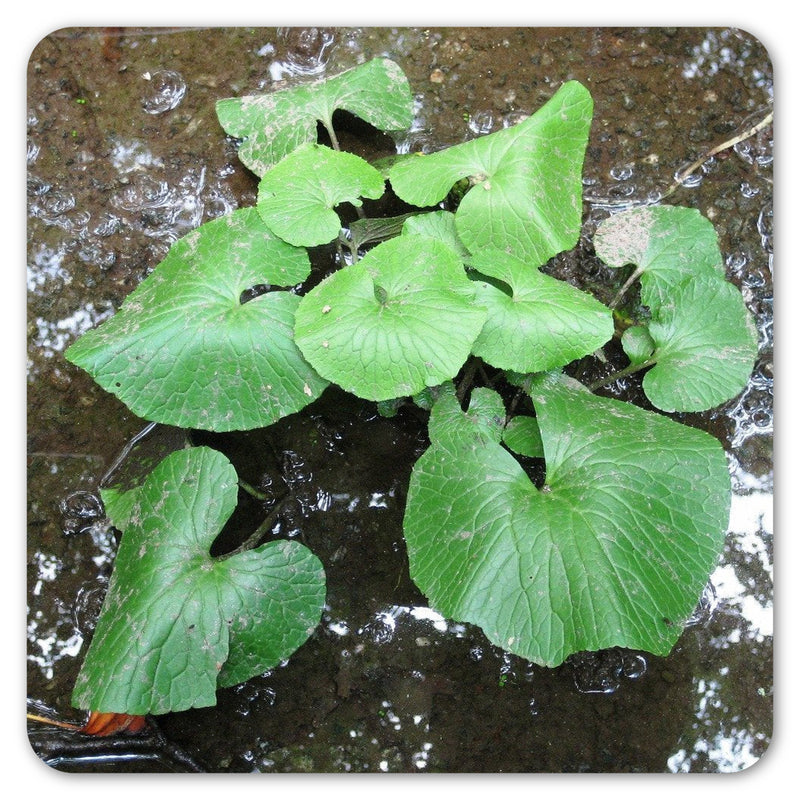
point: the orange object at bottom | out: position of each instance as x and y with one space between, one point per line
109 723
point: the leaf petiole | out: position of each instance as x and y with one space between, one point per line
623 373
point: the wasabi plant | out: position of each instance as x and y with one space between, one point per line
447 307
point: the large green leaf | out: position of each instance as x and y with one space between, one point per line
177 623
527 193
534 322
614 549
701 337
297 196
275 124
400 319
184 350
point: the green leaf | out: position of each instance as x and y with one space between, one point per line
701 335
638 344
614 549
297 196
522 436
527 193
705 346
539 323
399 320
439 225
275 124
666 243
177 623
184 350
377 229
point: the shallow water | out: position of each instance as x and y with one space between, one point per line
125 155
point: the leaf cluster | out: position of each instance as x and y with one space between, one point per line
619 537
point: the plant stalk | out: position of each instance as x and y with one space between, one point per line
623 373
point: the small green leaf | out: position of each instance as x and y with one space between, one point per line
638 344
177 623
399 320
539 324
527 190
439 225
275 124
701 335
614 549
297 196
523 437
484 418
666 243
184 350
705 346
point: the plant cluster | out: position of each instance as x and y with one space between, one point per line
611 547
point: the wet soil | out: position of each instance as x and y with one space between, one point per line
125 155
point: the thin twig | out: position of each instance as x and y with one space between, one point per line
681 177
684 174
55 722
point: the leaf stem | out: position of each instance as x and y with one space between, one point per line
252 491
466 380
125 452
255 537
623 373
328 123
625 286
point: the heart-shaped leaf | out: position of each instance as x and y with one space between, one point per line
297 196
613 550
177 623
701 336
705 346
185 350
527 193
275 124
400 319
534 322
666 243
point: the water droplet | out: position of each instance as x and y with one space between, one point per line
705 607
634 665
748 190
690 181
305 52
142 192
166 89
54 204
735 263
481 122
80 511
764 225
87 605
622 173
33 152
601 672
108 225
